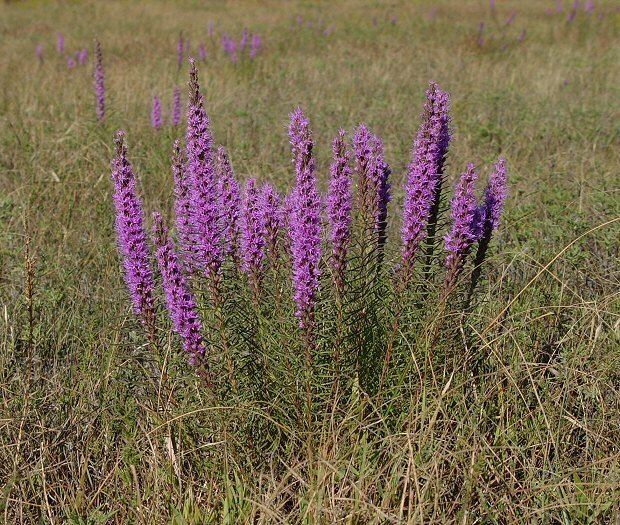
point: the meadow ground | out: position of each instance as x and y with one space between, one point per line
88 435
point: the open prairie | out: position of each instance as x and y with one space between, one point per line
306 370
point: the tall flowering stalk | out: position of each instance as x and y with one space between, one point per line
82 57
205 198
231 204
305 222
176 107
465 229
245 38
132 238
179 298
255 46
202 52
271 205
99 80
180 50
71 62
253 235
488 216
339 204
60 43
156 120
39 52
425 177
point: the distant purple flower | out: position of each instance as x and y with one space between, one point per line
480 39
132 238
253 233
39 52
204 188
522 36
393 20
558 6
565 83
82 56
156 120
70 63
183 206
271 205
464 213
305 222
180 50
231 203
423 186
202 52
339 204
255 45
99 79
571 15
245 38
211 30
299 20
176 107
60 43
511 18
589 6
230 47
179 298
432 13
492 5
328 31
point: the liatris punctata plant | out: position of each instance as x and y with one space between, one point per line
39 52
176 107
179 298
231 204
180 50
204 188
339 204
156 120
70 63
255 46
132 238
271 205
82 56
305 222
488 216
465 227
253 235
245 37
60 43
99 81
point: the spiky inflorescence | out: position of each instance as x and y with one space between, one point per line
70 63
494 197
156 120
339 204
60 43
82 57
132 238
305 221
182 206
231 203
271 205
255 45
179 298
180 50
99 79
176 107
205 199
464 213
245 38
425 171
39 52
253 233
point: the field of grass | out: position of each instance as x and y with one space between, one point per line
97 427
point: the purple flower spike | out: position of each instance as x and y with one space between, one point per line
70 63
156 121
231 203
253 234
424 178
245 37
179 298
82 56
202 52
176 107
305 222
204 189
39 52
465 217
211 30
339 204
495 194
60 43
271 205
132 238
180 50
255 46
99 79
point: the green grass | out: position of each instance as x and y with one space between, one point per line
90 434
